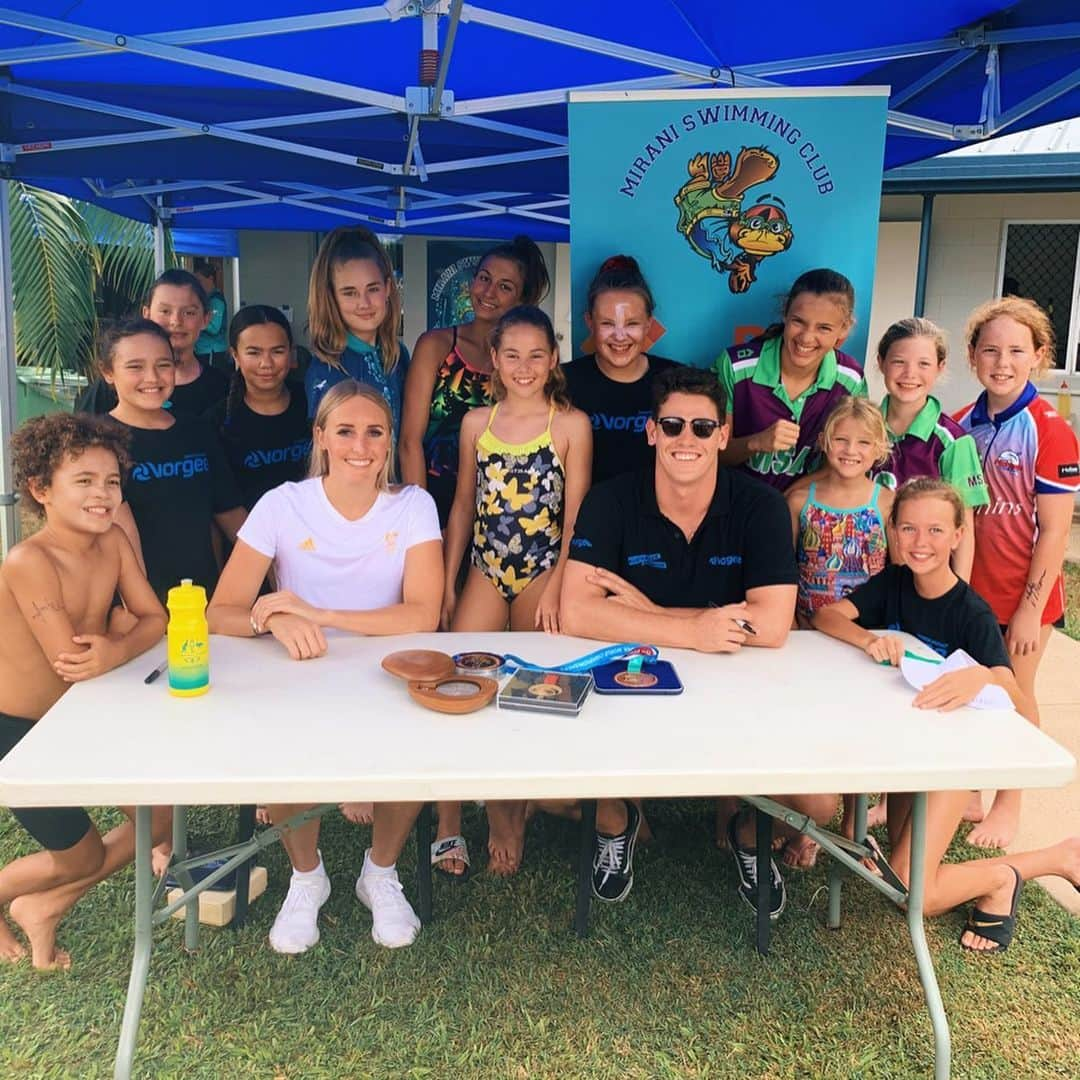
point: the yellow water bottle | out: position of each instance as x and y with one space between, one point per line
1064 401
189 640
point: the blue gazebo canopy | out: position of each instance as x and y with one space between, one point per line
292 116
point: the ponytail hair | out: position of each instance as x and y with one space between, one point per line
622 273
525 315
327 328
530 261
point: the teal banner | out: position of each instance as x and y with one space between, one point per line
724 197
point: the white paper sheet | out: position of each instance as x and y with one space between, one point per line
920 673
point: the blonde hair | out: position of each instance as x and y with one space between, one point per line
1026 313
327 329
862 412
928 487
337 395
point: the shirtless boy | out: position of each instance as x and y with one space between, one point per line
56 592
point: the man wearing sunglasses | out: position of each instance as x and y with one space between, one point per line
686 554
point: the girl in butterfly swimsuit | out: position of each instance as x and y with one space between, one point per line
524 467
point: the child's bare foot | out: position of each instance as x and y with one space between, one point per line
262 816
39 925
998 828
800 852
12 950
359 813
974 809
506 837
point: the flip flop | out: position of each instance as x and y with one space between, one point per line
878 864
451 847
996 928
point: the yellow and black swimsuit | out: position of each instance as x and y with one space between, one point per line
519 506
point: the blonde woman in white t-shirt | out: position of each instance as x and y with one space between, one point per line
350 553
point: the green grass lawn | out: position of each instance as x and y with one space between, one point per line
668 984
1072 600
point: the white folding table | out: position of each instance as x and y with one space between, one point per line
815 716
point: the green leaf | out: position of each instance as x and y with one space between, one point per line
55 265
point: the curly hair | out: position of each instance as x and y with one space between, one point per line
42 444
1026 313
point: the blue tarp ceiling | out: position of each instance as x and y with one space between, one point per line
298 116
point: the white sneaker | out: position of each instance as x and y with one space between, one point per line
393 921
296 927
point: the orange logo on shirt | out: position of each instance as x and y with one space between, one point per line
307 545
390 542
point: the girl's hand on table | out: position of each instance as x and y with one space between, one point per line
885 649
951 691
303 638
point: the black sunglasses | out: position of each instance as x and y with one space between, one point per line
672 426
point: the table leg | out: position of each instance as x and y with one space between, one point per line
180 853
860 818
586 846
423 862
836 871
245 830
916 886
764 880
144 934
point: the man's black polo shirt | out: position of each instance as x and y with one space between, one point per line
743 543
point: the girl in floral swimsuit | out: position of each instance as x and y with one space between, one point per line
523 470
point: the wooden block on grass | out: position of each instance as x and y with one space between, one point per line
218 906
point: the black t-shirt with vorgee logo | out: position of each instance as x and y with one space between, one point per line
958 619
179 479
618 412
264 451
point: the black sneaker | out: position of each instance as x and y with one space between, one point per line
746 864
613 860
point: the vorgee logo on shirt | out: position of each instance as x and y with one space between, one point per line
186 467
297 451
634 422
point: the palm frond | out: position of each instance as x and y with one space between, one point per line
127 252
55 265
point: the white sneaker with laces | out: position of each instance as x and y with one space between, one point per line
296 928
393 922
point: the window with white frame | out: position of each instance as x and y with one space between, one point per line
1041 260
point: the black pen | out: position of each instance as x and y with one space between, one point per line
159 670
742 624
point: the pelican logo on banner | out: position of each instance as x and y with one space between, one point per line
724 198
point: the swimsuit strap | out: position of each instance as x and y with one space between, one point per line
874 496
491 420
551 416
810 492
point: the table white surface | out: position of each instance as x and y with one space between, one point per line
815 716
